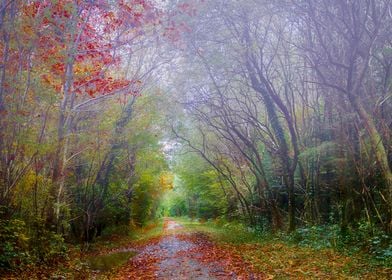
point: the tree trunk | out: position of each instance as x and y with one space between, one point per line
379 151
60 155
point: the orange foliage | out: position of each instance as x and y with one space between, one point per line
85 33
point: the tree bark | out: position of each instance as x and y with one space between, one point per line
379 151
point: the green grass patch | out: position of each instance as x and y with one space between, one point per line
124 236
222 231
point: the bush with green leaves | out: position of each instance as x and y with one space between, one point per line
142 208
21 244
324 236
14 243
46 245
373 240
364 237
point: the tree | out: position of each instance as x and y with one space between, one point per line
341 41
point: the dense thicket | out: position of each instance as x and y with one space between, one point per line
289 103
80 149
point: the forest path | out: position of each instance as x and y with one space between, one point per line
180 255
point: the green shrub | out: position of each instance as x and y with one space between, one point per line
374 241
14 243
20 244
365 237
46 246
316 236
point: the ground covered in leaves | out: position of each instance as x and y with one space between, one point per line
179 254
275 259
181 249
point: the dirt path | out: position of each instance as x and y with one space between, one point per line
180 255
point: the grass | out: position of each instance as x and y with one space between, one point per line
279 259
123 236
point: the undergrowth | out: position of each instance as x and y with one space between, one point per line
22 244
75 264
312 252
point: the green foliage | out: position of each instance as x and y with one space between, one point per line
142 205
174 204
226 231
21 244
371 239
14 243
198 190
365 238
116 212
236 232
316 236
46 245
323 148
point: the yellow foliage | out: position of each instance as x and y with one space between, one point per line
166 181
28 182
27 185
